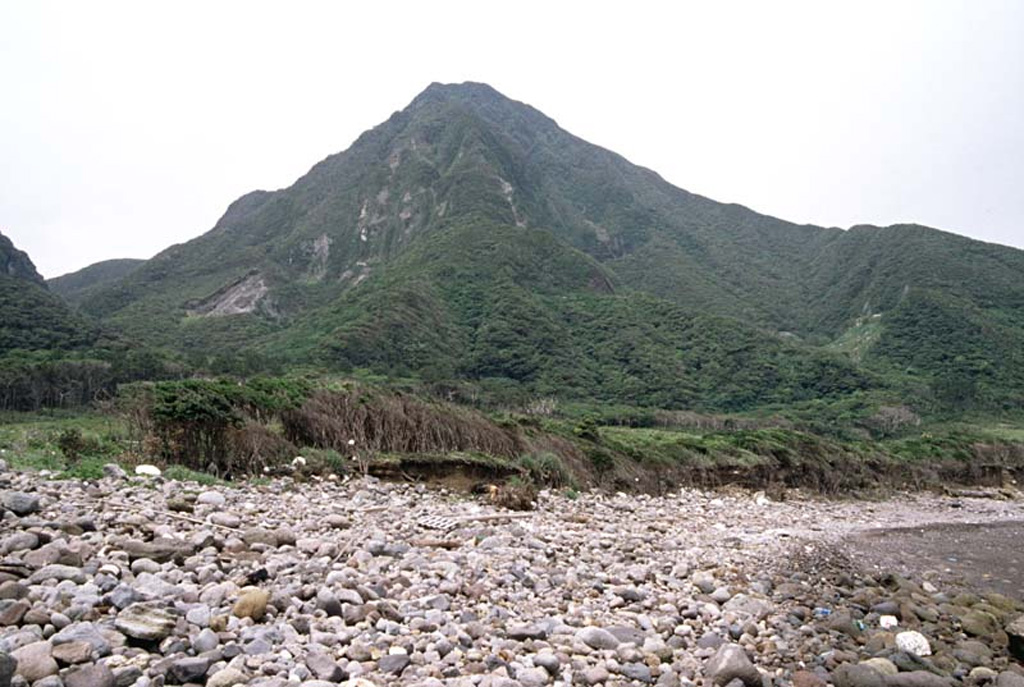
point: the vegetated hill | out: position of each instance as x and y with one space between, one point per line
32 318
469 236
75 287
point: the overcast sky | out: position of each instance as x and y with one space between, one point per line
128 126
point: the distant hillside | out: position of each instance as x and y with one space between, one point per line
32 318
78 286
470 237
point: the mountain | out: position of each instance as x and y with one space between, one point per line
469 236
32 318
77 286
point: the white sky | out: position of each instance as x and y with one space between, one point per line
128 126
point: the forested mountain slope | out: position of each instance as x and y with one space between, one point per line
469 236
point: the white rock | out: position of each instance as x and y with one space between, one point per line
110 569
913 643
211 498
147 471
888 622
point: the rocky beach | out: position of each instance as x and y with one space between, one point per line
142 581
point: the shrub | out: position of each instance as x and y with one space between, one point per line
395 423
545 468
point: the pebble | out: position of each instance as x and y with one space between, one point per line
913 642
323 583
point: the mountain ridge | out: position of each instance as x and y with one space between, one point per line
31 317
466 160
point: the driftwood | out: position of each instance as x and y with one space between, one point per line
448 544
176 516
493 516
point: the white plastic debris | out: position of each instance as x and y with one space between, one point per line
913 643
147 471
298 462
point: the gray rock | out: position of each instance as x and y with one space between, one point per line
13 590
1015 631
631 594
703 581
145 621
521 633
533 677
59 573
324 667
199 615
227 677
638 672
150 586
128 676
83 632
8 667
72 653
393 663
114 471
12 612
1009 679
225 519
161 550
19 503
917 678
721 595
190 669
35 661
857 675
206 640
328 602
627 635
20 541
730 663
595 675
748 607
123 596
259 535
96 675
548 662
597 638
349 596
212 498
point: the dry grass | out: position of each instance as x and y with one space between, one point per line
395 424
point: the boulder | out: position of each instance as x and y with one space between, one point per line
730 663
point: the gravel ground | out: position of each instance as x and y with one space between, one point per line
142 581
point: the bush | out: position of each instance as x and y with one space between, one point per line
395 423
74 445
545 468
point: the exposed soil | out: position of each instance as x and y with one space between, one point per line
977 556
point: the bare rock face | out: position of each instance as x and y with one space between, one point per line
238 298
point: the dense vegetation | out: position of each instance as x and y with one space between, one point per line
470 250
78 286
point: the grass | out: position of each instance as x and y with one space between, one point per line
180 473
30 441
